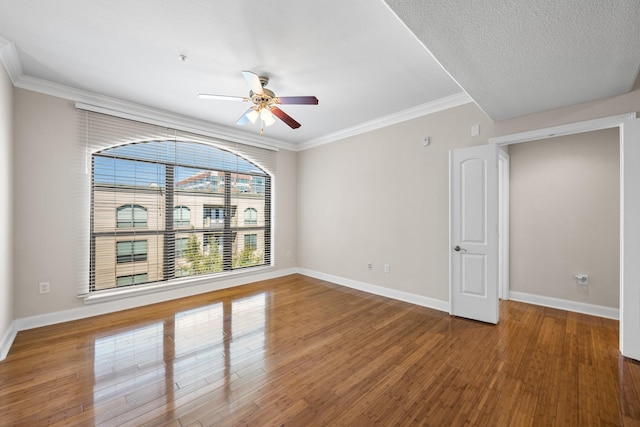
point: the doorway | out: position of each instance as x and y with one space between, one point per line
629 247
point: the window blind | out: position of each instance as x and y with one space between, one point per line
169 205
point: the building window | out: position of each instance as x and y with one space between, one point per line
131 251
251 241
250 216
242 185
181 216
257 184
212 243
131 216
213 216
155 189
132 279
181 246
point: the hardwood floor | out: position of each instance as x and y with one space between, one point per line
302 352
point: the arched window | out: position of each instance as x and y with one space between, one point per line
250 216
181 216
131 216
173 195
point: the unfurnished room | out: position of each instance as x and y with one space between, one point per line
337 213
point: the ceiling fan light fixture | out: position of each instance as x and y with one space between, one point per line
267 117
265 102
253 116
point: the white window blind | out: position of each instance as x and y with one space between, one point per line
168 204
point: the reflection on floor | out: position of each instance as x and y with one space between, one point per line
300 351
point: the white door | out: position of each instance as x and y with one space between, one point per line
473 233
630 244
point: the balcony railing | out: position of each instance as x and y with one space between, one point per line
213 223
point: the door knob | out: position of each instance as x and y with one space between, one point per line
458 249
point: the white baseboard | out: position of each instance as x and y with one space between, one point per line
578 307
96 309
7 340
111 306
423 301
563 304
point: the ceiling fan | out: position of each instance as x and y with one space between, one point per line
265 102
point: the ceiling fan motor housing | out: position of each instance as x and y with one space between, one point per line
265 102
265 98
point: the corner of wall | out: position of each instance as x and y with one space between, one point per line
636 85
7 330
7 340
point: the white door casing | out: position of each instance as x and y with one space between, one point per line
629 212
473 233
503 224
630 239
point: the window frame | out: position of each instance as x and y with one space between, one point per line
131 255
253 220
169 265
253 241
132 222
133 281
179 223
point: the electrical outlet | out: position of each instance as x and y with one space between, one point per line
370 266
44 287
387 268
583 279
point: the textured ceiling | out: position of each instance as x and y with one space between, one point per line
363 63
524 56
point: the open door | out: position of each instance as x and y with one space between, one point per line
473 233
630 240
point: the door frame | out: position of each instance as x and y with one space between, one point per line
589 126
503 224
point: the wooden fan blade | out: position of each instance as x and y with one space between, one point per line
285 118
253 81
222 97
305 100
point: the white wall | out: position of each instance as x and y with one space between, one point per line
627 103
51 214
286 219
44 188
6 141
382 197
379 197
565 217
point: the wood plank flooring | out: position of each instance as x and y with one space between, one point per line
298 351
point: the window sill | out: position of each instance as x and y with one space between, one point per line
138 290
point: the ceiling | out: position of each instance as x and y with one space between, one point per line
358 58
525 56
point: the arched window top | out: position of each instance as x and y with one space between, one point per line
250 216
181 216
131 216
194 188
189 154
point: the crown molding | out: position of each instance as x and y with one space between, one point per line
9 58
117 107
391 119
